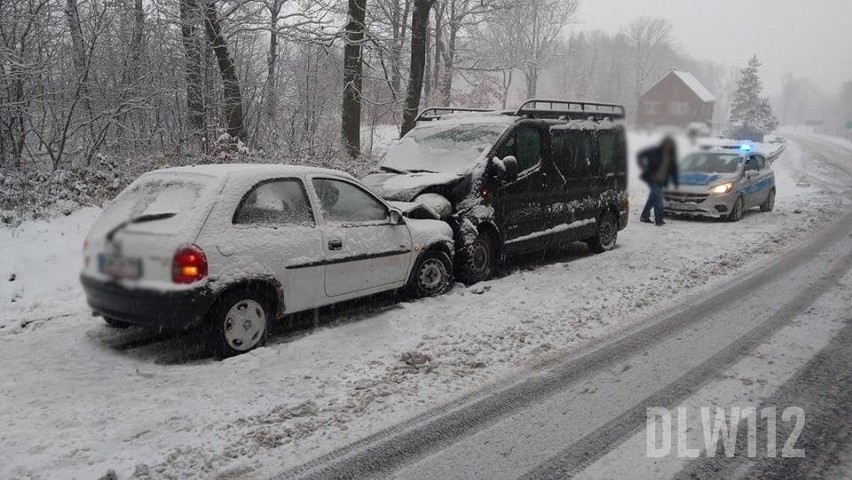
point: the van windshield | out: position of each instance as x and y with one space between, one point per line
441 148
711 163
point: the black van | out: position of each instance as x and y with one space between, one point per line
509 182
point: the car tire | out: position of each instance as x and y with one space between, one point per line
606 236
739 210
113 323
432 275
478 259
239 322
769 204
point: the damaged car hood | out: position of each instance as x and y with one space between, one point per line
406 186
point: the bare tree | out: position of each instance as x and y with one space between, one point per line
352 77
419 32
459 15
80 57
533 28
228 71
649 38
190 21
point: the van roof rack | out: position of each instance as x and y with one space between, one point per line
435 113
569 110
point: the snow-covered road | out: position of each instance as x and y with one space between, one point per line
79 399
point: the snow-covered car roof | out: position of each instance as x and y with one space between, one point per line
243 170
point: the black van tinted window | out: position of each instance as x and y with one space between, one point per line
573 153
608 149
525 145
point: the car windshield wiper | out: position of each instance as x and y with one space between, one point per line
140 219
420 171
389 169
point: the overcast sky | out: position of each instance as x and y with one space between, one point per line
811 38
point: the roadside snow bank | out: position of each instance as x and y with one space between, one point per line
40 261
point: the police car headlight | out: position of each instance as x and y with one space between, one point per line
724 188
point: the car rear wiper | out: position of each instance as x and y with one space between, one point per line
140 219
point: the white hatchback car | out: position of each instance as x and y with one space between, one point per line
236 246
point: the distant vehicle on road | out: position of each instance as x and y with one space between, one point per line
722 182
233 247
548 173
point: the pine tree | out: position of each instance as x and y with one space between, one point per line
751 114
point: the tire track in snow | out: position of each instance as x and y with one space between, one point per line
429 433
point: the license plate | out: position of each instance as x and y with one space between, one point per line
120 267
687 207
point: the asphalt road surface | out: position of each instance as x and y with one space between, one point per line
778 338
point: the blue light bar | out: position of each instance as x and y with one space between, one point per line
746 147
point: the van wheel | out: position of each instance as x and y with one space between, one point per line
432 275
117 323
769 204
478 259
738 212
240 323
606 236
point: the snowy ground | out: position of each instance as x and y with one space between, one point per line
78 399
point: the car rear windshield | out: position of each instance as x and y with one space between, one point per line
711 163
441 148
175 198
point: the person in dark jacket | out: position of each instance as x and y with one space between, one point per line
659 168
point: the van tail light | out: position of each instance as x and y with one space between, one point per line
189 265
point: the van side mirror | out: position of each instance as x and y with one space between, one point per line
507 169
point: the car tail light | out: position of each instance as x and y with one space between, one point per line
189 265
85 254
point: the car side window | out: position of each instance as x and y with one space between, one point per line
277 202
761 162
751 163
343 202
524 145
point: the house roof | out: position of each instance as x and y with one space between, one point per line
690 81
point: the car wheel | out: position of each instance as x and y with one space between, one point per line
769 204
240 323
117 323
432 275
606 236
478 259
739 208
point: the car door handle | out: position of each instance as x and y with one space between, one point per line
335 244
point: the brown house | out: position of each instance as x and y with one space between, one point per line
679 99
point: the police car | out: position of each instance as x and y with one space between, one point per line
722 183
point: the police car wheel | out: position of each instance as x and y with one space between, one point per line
769 204
737 213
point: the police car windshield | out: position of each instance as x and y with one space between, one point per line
441 148
711 163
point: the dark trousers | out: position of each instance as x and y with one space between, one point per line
655 201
